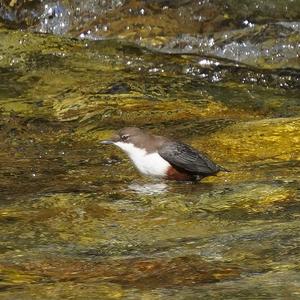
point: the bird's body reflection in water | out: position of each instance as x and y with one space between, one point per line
149 188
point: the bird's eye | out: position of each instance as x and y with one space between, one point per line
124 137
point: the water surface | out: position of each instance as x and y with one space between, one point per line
79 222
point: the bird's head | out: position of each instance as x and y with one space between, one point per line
126 138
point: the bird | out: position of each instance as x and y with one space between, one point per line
159 156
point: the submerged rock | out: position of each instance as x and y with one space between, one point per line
264 141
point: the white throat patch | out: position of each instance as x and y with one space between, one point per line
149 164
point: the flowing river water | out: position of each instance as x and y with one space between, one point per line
78 221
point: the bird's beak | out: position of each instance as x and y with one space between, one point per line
110 141
107 142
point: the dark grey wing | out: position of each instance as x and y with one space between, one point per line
186 158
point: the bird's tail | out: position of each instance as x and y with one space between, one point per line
224 169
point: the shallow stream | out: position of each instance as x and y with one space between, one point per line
78 221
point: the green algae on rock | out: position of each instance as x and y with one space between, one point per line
264 140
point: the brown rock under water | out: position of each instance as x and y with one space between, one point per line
141 273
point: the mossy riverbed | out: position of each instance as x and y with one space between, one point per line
79 222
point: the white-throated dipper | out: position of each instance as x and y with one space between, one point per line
159 156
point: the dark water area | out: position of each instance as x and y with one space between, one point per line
77 220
